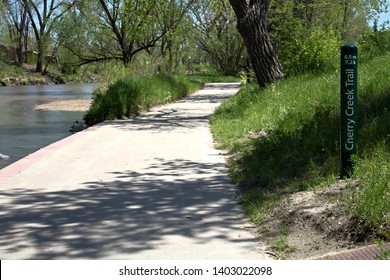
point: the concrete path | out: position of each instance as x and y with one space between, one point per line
152 187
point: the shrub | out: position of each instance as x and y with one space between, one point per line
376 43
122 99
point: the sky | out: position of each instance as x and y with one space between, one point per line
384 17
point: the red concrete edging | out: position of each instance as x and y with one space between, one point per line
371 252
12 170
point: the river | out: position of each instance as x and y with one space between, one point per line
23 129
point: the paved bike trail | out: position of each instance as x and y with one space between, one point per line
152 187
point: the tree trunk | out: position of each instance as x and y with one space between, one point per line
39 66
251 23
20 37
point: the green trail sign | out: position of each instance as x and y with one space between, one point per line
349 112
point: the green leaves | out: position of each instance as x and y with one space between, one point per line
308 34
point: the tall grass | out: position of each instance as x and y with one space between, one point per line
286 136
371 199
128 97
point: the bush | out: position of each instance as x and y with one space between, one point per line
122 99
302 47
376 43
310 51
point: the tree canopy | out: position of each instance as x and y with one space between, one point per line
281 37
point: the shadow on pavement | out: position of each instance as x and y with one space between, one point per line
133 212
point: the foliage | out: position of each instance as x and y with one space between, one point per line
309 51
118 30
14 15
168 37
176 45
308 34
287 135
375 43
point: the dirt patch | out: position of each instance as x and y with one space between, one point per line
312 224
66 105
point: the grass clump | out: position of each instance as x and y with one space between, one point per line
281 247
128 97
285 138
122 99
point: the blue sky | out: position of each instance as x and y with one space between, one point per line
384 17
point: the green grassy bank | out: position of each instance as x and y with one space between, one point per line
127 97
285 138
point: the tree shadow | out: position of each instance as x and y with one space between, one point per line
131 212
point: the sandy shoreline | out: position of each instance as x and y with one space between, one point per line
66 105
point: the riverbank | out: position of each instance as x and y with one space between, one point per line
12 75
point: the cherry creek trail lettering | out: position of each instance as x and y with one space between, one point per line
350 111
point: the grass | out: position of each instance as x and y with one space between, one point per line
127 97
281 247
371 200
384 254
15 74
285 138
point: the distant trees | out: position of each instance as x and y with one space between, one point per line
215 31
279 36
14 14
44 16
121 28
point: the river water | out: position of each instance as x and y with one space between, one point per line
24 130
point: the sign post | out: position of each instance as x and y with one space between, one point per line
349 108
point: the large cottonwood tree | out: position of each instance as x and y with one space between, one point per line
251 23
